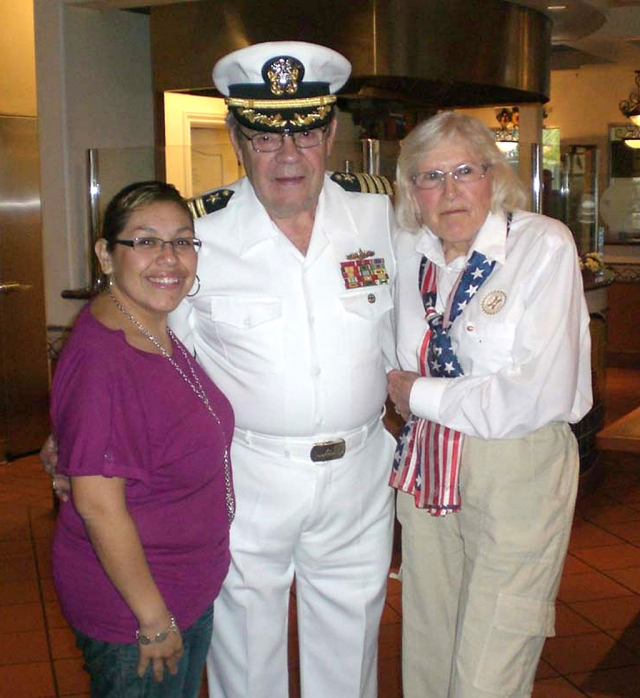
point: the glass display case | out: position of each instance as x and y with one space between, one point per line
579 196
620 202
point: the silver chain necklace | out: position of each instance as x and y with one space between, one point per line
197 388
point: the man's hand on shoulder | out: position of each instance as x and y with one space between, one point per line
49 459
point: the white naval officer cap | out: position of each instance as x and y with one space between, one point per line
282 85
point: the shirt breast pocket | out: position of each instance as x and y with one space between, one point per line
247 332
366 320
488 347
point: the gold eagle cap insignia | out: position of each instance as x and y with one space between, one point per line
283 74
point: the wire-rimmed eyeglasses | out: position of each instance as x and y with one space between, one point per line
153 245
269 142
463 174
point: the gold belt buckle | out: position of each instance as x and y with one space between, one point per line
328 450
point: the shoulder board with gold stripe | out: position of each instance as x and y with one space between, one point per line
209 202
363 182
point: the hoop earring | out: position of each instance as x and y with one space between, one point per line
195 293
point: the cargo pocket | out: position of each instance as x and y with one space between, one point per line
518 631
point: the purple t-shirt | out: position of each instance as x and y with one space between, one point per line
121 412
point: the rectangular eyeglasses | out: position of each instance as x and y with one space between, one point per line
463 174
153 245
269 142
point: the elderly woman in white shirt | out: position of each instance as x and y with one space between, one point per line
493 343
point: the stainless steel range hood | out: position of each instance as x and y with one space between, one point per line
420 53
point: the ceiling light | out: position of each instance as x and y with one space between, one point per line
631 107
507 135
556 8
628 133
507 146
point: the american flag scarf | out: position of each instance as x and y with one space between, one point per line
427 458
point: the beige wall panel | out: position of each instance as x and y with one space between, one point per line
17 58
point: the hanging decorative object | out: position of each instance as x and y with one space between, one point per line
508 134
630 108
629 134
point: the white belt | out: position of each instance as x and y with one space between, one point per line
317 449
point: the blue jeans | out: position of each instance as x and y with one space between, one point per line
112 666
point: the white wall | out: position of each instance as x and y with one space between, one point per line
94 90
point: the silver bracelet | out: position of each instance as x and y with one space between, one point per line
160 637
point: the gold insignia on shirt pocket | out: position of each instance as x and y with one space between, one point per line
493 302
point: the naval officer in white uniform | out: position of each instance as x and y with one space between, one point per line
292 320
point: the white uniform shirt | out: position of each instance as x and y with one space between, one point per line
527 364
296 353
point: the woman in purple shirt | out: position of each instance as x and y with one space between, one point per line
142 545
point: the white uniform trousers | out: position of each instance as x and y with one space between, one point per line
331 525
479 586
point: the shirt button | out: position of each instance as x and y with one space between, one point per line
247 322
316 371
471 328
371 298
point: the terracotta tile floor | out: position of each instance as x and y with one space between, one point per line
596 651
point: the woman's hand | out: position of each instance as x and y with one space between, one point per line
102 505
399 384
167 651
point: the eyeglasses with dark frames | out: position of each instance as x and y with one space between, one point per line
468 173
153 245
270 142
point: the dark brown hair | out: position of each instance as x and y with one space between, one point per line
133 197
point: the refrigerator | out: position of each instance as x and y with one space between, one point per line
24 367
